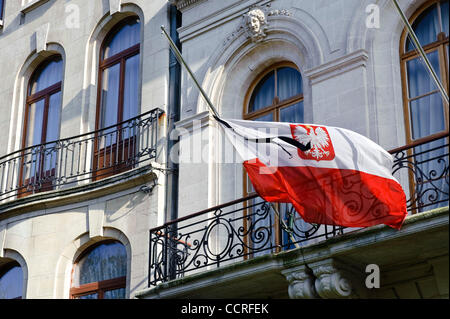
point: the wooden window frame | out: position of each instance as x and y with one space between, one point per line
105 63
440 46
98 287
44 95
274 108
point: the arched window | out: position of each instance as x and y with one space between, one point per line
11 281
276 95
424 107
100 272
426 112
41 125
118 96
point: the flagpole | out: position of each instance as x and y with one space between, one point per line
284 225
421 51
181 60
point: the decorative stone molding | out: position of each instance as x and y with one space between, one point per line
336 280
255 23
96 215
301 283
184 4
114 6
28 5
338 66
40 37
331 284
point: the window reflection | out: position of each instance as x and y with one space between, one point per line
101 272
11 281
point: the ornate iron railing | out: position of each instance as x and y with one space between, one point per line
86 157
423 169
249 227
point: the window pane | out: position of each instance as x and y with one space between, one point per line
426 27
292 113
53 117
265 118
91 296
115 294
289 83
419 78
35 122
264 93
1 9
49 75
106 261
427 115
110 105
123 39
131 88
11 283
444 15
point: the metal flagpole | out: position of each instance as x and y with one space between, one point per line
286 228
421 51
181 60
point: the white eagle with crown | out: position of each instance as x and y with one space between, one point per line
317 137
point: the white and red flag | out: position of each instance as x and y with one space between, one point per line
331 175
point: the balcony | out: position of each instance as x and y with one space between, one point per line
79 160
240 230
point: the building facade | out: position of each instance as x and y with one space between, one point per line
116 181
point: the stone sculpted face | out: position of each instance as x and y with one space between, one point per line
256 19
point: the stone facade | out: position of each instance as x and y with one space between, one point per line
351 79
45 235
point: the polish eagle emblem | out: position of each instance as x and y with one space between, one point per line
319 140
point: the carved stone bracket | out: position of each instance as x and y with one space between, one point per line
325 279
331 282
301 283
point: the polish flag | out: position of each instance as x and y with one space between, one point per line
331 175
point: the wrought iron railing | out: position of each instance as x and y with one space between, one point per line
423 169
86 157
249 227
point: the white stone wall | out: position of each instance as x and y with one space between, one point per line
47 241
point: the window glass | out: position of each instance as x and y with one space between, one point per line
11 283
292 113
289 83
444 16
131 88
126 37
280 92
106 261
419 78
35 123
48 75
115 294
426 27
1 9
264 93
427 115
